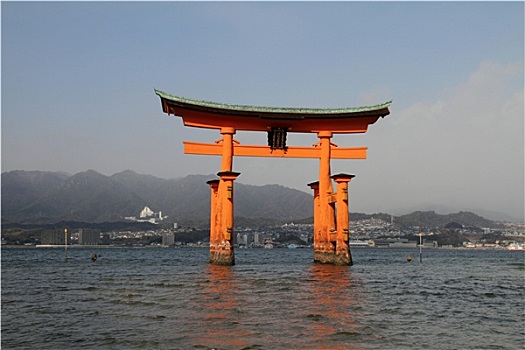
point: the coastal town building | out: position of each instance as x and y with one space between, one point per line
88 237
147 215
54 237
168 239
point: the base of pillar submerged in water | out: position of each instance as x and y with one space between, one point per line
343 259
324 257
324 253
222 256
343 256
332 258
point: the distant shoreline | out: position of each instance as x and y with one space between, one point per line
77 246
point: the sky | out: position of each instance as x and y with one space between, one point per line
78 82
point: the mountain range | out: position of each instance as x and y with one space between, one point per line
38 197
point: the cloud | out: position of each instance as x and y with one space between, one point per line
464 150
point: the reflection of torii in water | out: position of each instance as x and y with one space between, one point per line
331 232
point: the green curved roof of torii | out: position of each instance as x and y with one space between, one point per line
215 107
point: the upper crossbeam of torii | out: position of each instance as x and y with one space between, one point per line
214 115
331 233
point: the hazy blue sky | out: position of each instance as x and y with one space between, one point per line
78 80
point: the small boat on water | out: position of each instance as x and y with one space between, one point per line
361 244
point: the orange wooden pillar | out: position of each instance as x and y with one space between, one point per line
221 220
317 229
221 225
327 226
343 256
214 220
227 149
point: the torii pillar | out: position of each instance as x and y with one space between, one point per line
221 205
331 232
343 255
326 216
317 229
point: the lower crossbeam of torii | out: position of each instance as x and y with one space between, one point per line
331 222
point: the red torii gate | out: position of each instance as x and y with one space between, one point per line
331 232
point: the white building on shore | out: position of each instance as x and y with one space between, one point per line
147 215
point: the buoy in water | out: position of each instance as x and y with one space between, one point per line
409 258
94 257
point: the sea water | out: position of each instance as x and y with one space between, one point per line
168 298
